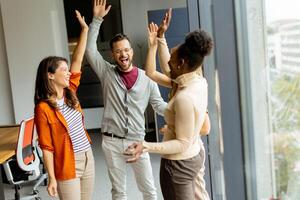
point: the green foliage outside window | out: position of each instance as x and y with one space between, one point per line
285 102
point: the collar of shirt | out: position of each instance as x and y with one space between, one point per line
60 102
134 68
184 79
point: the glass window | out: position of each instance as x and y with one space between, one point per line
283 47
269 63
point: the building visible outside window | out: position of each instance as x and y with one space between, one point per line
283 45
268 38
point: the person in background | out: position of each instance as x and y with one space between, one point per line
62 137
127 91
164 57
185 114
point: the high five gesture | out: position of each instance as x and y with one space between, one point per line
100 9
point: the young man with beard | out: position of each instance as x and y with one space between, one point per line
126 94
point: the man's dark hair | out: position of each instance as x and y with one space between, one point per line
118 38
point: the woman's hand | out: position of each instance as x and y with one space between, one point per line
135 150
100 9
52 187
81 20
152 34
163 27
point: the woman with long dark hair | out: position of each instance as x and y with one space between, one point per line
62 137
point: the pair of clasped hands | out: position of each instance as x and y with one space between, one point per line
136 149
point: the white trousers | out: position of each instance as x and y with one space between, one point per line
113 149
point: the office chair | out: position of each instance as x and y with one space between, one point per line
25 166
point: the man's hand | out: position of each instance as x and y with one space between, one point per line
152 33
135 150
100 9
163 27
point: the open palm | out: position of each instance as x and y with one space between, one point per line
100 9
81 20
163 27
152 33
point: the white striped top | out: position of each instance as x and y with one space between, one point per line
75 125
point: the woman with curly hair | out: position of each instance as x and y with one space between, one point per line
185 114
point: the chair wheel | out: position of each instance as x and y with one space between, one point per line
35 192
38 198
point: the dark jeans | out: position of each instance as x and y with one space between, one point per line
177 178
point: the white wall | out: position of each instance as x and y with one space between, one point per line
6 107
38 30
135 21
32 30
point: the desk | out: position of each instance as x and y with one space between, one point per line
8 142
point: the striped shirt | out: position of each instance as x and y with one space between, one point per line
75 125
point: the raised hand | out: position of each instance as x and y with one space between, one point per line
78 52
152 33
100 9
163 27
81 20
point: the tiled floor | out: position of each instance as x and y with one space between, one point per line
102 183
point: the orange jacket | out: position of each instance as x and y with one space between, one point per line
53 135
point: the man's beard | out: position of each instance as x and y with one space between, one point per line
121 68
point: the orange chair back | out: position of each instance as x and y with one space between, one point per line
26 140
